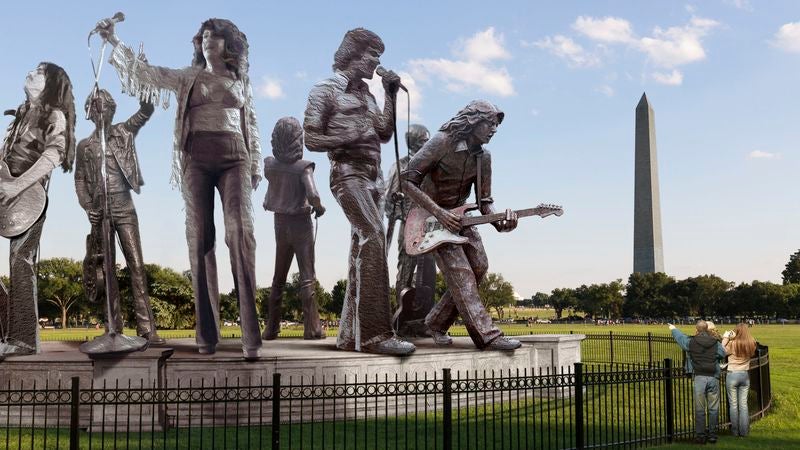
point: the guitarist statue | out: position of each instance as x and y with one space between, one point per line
122 176
41 137
413 302
440 177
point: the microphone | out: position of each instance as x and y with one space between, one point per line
118 17
381 71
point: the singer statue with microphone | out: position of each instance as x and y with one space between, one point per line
122 176
343 119
216 147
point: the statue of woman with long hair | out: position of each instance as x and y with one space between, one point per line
41 137
216 146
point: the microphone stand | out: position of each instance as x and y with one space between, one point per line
113 342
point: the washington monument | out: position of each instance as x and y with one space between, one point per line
648 249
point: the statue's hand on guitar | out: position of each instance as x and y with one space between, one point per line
508 223
425 232
450 221
9 191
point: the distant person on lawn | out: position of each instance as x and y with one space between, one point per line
704 352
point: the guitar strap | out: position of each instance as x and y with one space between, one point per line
479 181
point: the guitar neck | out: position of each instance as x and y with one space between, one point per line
468 221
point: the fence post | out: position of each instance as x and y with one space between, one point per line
650 348
276 411
668 400
579 444
447 426
761 401
73 416
611 345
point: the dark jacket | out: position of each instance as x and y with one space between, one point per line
120 142
704 351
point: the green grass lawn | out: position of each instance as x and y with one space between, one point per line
778 430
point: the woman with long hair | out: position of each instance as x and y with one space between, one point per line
41 137
740 347
216 146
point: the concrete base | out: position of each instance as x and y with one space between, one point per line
298 362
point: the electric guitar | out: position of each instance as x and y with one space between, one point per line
423 233
23 211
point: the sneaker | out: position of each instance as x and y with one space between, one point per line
391 346
440 338
504 343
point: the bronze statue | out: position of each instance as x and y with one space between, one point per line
416 276
105 192
41 137
450 164
292 196
343 120
216 147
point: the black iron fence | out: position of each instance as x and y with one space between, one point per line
588 405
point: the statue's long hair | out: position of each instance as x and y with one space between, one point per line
57 95
236 47
467 119
287 140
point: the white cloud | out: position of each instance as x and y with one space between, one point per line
415 92
270 88
535 112
759 154
484 46
677 46
474 66
664 48
674 78
606 90
607 29
744 5
567 49
788 37
301 74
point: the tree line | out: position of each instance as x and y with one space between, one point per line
62 299
658 295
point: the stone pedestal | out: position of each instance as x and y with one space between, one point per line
120 378
120 390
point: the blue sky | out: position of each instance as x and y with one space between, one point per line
721 76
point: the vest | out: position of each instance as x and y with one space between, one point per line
286 193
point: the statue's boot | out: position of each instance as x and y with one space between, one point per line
311 325
273 319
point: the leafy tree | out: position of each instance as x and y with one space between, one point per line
600 299
791 274
706 294
336 303
60 284
561 299
540 300
647 295
292 305
792 294
440 288
171 297
496 292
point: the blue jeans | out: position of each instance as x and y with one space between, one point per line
706 394
738 383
